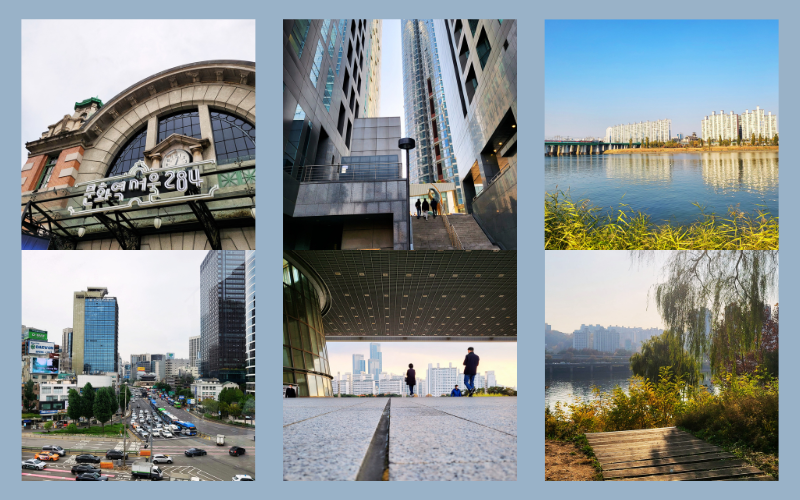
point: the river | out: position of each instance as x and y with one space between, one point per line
664 186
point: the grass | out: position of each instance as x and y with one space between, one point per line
95 430
579 226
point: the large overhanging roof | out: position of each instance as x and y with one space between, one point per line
417 295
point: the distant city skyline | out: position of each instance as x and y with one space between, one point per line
500 357
649 70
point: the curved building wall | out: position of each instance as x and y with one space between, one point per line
305 356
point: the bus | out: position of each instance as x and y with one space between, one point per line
187 428
177 404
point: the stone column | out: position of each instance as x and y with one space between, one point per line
197 153
152 136
206 132
155 159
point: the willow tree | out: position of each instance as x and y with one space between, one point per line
661 351
705 297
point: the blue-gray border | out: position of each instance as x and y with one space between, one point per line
531 16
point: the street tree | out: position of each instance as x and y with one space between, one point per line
249 407
230 395
104 405
211 405
87 402
74 410
28 396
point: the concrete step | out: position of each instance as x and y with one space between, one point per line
430 234
470 233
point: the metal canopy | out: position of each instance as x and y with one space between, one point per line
417 295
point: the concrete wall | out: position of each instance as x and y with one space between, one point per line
496 209
376 136
353 198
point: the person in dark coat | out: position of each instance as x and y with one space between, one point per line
455 393
470 370
425 208
411 379
419 208
434 205
290 392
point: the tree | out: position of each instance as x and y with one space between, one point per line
707 295
48 425
775 140
87 402
74 410
701 143
630 143
235 410
753 139
230 395
104 405
760 139
665 351
249 407
211 405
28 396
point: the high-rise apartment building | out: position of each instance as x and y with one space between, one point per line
222 316
65 359
250 361
375 365
491 380
427 116
442 380
655 131
194 351
358 364
581 339
95 332
478 59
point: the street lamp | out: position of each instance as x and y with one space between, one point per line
408 143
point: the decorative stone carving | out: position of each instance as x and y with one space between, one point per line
114 113
195 76
152 89
243 77
173 81
97 130
132 100
219 73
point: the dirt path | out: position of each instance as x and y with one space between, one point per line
565 462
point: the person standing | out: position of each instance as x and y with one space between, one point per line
434 205
290 392
470 370
455 393
425 208
418 204
411 379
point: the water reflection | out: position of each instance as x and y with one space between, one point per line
732 172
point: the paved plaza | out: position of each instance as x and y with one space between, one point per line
429 439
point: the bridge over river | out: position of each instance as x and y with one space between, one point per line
569 147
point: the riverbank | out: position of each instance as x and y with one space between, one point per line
564 461
713 149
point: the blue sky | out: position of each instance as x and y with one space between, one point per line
392 71
604 73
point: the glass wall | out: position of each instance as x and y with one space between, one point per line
100 331
305 356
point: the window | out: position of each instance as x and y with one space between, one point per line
132 152
297 38
324 30
233 136
326 98
483 49
463 57
347 138
293 141
46 172
183 122
473 26
332 45
457 31
315 68
471 83
343 29
340 126
352 98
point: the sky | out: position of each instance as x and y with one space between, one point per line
392 74
158 294
604 73
598 287
101 58
498 356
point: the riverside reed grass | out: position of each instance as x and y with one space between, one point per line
580 226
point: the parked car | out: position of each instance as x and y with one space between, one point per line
116 455
91 476
87 459
34 464
46 456
236 451
84 468
53 448
158 459
242 477
195 452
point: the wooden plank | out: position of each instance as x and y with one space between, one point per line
666 461
648 444
700 475
638 437
656 449
656 429
680 452
674 469
756 478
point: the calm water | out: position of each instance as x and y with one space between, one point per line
665 186
561 388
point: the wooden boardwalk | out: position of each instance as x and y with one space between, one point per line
667 454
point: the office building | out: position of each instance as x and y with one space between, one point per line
222 316
426 109
359 365
127 371
209 388
478 59
198 118
655 131
375 366
172 369
65 361
194 351
250 332
159 370
95 332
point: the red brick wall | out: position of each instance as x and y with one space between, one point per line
32 175
61 165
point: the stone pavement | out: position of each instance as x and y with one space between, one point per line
430 439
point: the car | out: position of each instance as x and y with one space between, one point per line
115 455
84 468
248 417
87 459
91 476
34 464
195 452
165 433
53 448
145 435
46 455
236 451
242 477
158 459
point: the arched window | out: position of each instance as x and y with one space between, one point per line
130 154
233 136
183 122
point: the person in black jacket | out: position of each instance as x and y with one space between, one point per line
434 205
411 379
290 392
470 370
425 208
418 204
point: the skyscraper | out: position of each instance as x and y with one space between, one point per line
194 351
358 364
375 360
222 316
65 361
491 381
250 270
427 117
95 332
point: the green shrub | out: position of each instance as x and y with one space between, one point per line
72 428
